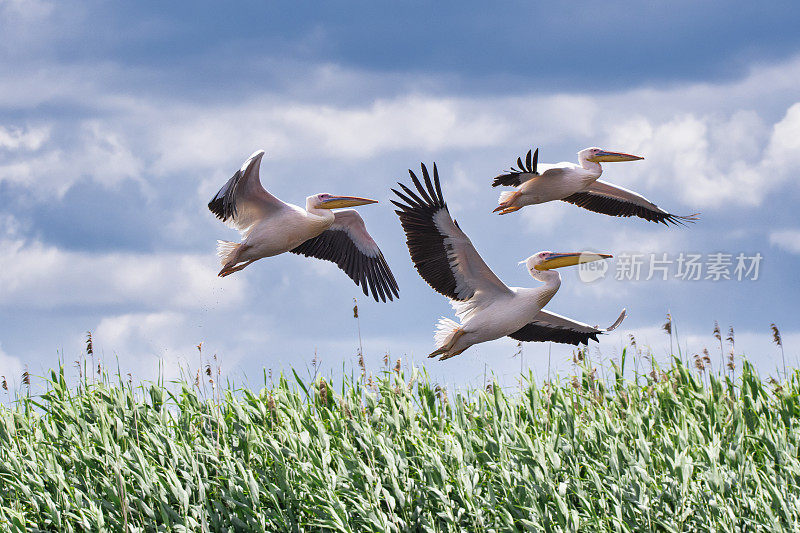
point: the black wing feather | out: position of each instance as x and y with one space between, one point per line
223 205
619 208
372 273
426 243
535 332
512 178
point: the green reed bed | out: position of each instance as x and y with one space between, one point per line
397 454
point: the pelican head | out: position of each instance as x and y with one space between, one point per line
550 260
598 155
330 201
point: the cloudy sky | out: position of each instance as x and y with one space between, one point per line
119 122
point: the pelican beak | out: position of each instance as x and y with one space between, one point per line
556 260
337 202
613 157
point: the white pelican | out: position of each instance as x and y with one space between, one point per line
579 185
486 307
270 227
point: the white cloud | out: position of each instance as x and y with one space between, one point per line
707 160
30 138
48 166
783 152
143 340
34 275
166 341
697 146
788 239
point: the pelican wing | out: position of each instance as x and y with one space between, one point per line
348 244
603 197
243 201
547 326
517 176
442 253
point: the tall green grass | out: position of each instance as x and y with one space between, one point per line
672 454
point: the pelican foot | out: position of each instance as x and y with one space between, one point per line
444 349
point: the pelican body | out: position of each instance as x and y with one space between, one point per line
272 227
487 308
578 184
283 231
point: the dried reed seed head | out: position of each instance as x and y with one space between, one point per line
699 364
323 391
667 327
271 403
200 347
386 359
632 339
3 383
99 368
397 366
345 407
705 352
776 334
26 377
490 388
208 369
717 332
729 338
441 393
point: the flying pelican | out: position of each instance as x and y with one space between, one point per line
270 227
579 185
488 309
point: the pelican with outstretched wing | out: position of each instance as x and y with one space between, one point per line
271 227
578 184
487 308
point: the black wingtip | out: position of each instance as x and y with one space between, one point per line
679 220
223 205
